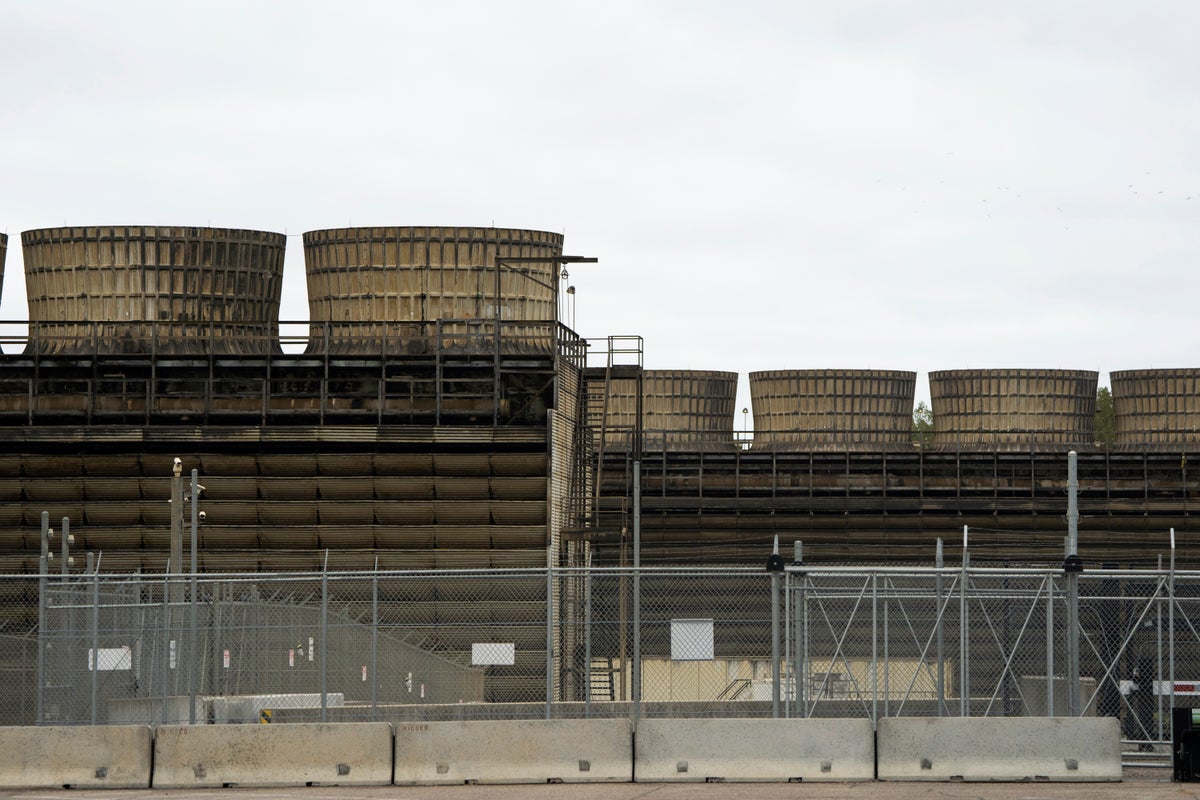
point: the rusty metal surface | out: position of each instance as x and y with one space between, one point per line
681 409
148 289
827 409
372 282
1156 408
1013 409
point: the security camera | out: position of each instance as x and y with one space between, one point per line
202 516
177 462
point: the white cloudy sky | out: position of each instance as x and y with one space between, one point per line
925 185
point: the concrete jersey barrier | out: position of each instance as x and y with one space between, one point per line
526 751
75 757
754 750
301 754
999 749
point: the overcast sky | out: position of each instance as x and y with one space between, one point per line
793 185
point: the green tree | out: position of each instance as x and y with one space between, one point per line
1106 421
922 422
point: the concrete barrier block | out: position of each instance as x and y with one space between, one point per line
314 754
76 757
516 751
754 750
999 749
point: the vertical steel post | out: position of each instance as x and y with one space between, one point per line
939 562
216 657
549 631
95 645
637 590
1158 675
65 566
375 641
1171 624
67 656
1072 567
798 630
887 669
775 665
786 625
193 655
587 636
325 640
43 582
1050 710
874 647
166 642
176 554
964 681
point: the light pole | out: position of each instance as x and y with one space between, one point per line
194 499
175 562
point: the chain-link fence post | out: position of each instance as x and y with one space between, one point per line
939 563
193 656
874 647
375 641
1072 566
1171 624
636 677
549 631
166 639
43 580
324 665
1050 589
775 635
95 659
964 671
799 628
587 635
1158 645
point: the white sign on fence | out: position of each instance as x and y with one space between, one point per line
493 654
110 658
691 640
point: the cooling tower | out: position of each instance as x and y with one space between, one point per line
376 289
829 409
153 290
1013 409
681 410
1156 409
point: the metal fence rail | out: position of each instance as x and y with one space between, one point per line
833 641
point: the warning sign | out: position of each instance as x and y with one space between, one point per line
1181 687
264 716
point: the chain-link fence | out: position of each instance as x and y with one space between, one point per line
848 641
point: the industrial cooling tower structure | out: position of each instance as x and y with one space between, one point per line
681 410
1156 409
373 290
829 409
1013 409
153 290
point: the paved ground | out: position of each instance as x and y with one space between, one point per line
1135 789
